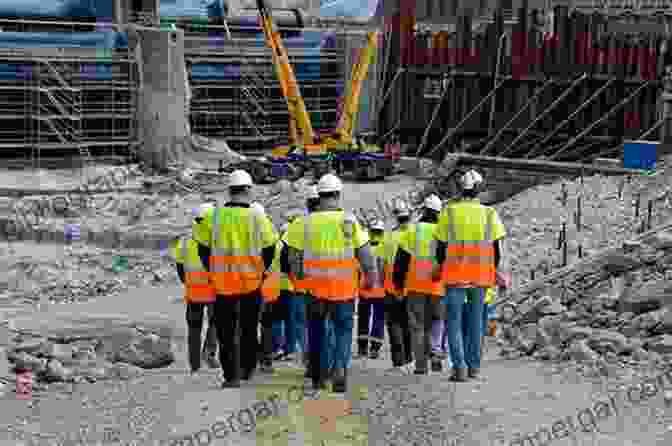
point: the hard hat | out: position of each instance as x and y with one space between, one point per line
311 192
433 202
257 207
329 183
240 178
401 209
200 228
470 180
378 225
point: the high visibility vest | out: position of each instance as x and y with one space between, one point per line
329 263
237 239
197 286
489 296
469 229
419 242
390 246
378 289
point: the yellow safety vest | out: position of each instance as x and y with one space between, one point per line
328 240
390 246
469 229
419 242
237 239
197 286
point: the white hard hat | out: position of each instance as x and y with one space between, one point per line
470 179
240 178
329 183
378 224
311 192
201 210
257 207
433 202
401 209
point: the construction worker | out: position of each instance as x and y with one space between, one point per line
242 243
371 303
191 260
396 313
468 253
413 267
323 248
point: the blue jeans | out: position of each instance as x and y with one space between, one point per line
295 321
332 335
279 341
464 326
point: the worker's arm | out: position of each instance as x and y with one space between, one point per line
284 259
401 262
204 254
268 254
498 253
180 271
368 264
440 254
295 260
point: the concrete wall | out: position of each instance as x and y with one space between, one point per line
162 103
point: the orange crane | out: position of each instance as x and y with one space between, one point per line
372 162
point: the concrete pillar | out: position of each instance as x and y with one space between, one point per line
162 121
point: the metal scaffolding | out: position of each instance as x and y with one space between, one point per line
69 100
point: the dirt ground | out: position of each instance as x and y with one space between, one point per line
513 396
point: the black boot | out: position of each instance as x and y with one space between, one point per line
459 375
339 381
375 349
320 380
362 348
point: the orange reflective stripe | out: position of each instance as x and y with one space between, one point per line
197 286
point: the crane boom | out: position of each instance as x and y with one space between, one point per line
298 115
360 70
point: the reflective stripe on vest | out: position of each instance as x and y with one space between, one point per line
327 276
378 289
469 263
197 287
237 270
419 277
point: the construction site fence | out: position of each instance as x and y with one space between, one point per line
472 85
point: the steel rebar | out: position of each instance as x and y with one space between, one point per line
494 80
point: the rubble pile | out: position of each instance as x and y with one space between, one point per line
84 273
80 357
616 306
534 218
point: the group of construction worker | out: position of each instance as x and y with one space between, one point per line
428 282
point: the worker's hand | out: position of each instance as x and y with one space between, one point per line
503 280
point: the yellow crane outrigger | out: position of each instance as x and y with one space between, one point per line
342 138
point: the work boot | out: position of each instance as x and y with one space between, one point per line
210 358
473 373
233 384
362 348
247 375
320 380
459 375
267 368
437 364
375 350
339 381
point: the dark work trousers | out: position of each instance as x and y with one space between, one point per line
270 313
422 310
237 320
194 318
396 318
370 322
